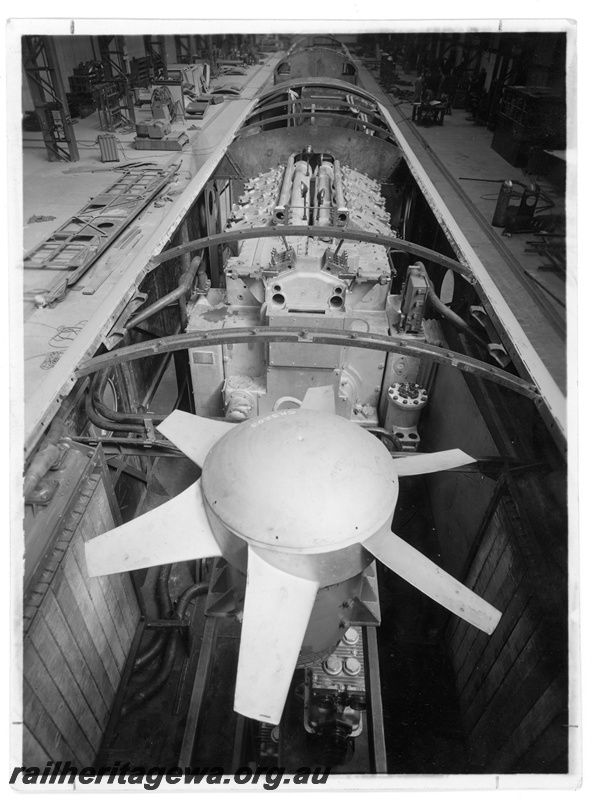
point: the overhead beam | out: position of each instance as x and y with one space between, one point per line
279 231
317 336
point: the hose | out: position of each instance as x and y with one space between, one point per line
122 417
95 417
451 316
165 608
153 686
107 424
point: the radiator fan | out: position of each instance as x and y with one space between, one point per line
298 500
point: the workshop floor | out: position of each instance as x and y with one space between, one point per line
57 190
541 297
464 148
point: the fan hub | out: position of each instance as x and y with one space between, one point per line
301 482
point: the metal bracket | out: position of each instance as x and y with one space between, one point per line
221 601
43 494
150 429
366 608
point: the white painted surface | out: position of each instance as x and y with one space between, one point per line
431 462
195 436
178 530
320 398
275 617
421 572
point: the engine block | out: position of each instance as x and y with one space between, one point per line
301 282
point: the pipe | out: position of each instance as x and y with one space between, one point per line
324 194
338 187
165 609
299 193
185 284
153 686
285 192
202 284
151 652
450 315
107 424
342 212
447 312
107 419
109 414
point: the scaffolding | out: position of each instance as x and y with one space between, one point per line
49 98
183 49
113 58
154 47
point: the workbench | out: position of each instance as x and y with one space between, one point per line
429 114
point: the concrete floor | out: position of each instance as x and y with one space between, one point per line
56 338
464 148
59 189
461 149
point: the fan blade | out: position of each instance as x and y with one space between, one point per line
417 569
275 617
194 435
320 398
177 530
431 462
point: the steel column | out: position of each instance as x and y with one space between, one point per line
154 47
49 97
116 68
183 49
